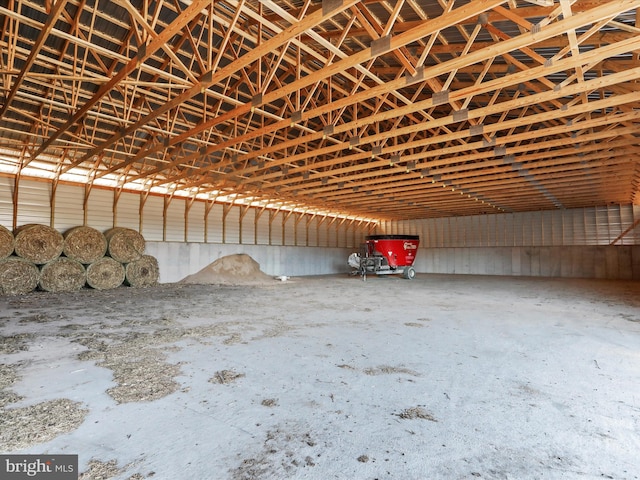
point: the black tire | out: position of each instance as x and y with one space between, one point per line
409 273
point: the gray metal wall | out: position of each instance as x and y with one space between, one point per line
178 260
610 262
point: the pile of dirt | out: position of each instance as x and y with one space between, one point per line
238 269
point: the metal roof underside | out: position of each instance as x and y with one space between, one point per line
392 110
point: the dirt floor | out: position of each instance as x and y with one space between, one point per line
331 377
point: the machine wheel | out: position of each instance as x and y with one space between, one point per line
409 273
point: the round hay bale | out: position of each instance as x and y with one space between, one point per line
143 272
124 244
84 244
39 244
7 242
105 274
18 276
62 275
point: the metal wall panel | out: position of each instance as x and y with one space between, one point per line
6 202
34 204
288 226
602 224
68 207
583 226
301 230
339 238
214 224
312 232
248 231
262 227
580 226
100 209
323 232
232 226
174 224
128 211
590 227
152 225
275 227
195 220
634 237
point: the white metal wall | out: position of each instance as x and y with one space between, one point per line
557 243
583 226
172 219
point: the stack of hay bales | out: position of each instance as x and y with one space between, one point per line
127 247
40 256
88 246
17 275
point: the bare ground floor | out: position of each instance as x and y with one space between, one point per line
329 377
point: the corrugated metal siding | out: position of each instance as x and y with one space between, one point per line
100 209
68 209
214 227
288 225
312 232
262 228
152 218
276 228
128 211
588 226
341 234
322 232
248 232
301 230
195 230
232 226
175 221
34 203
6 202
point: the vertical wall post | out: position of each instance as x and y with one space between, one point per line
207 210
16 187
143 199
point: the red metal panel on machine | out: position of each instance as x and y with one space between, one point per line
399 250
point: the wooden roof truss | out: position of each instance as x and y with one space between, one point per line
374 108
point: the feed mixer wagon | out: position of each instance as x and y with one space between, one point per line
386 255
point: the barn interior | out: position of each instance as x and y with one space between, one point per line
501 133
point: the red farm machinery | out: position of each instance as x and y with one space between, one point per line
386 255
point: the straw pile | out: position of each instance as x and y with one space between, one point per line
7 242
143 272
236 269
105 274
62 275
84 244
124 244
38 243
17 276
